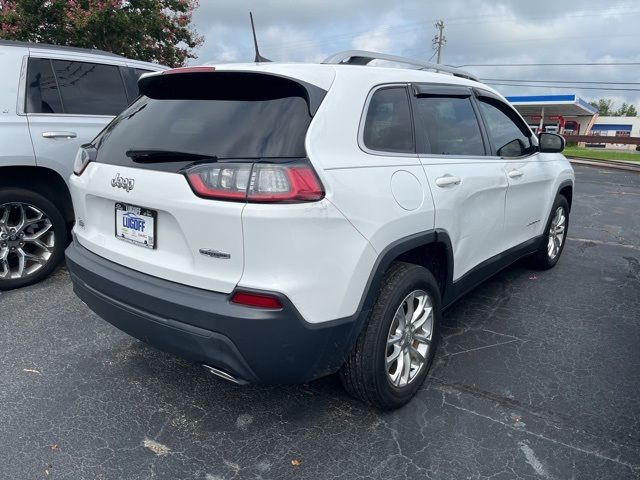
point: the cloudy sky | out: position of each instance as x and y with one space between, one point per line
477 32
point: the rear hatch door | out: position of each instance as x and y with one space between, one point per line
134 204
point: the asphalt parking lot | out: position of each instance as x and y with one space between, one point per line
538 376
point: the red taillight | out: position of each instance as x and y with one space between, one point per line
256 300
258 182
222 182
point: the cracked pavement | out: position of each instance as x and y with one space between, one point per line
536 377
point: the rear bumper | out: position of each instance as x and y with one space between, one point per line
253 345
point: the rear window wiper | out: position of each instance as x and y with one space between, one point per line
157 156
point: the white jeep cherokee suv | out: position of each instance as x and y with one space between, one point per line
52 100
281 222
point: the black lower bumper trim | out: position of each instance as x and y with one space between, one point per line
253 345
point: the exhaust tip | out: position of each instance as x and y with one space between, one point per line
224 375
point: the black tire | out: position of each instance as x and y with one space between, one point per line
58 226
364 374
542 260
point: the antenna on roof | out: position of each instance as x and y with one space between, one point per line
259 58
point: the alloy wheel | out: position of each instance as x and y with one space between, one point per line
27 240
556 233
409 338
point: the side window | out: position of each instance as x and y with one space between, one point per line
388 126
42 92
90 88
450 126
131 78
140 72
508 139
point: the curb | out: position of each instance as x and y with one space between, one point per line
605 163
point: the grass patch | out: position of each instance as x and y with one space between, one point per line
601 154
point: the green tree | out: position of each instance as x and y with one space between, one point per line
604 106
151 30
626 110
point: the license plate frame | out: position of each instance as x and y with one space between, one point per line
129 234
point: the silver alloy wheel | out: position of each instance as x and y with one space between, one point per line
409 338
27 240
556 233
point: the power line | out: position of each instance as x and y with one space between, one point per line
564 86
558 81
385 29
552 38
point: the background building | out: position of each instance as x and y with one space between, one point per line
572 115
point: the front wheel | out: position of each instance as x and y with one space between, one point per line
554 236
33 235
394 352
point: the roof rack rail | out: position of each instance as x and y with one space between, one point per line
362 57
49 46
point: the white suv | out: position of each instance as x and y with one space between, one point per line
52 100
281 222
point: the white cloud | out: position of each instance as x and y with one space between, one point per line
376 40
477 31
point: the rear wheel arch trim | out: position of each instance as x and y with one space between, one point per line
395 250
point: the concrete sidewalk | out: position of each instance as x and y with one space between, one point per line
619 164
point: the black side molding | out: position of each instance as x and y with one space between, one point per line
488 269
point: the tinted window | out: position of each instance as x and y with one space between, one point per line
388 125
274 128
42 92
507 138
132 85
90 88
131 76
450 126
139 72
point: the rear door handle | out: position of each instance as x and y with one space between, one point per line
59 134
515 173
447 181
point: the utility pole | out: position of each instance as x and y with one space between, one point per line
439 40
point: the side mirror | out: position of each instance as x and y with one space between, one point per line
551 143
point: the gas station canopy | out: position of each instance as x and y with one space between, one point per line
554 105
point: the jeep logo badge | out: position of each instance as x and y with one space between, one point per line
122 182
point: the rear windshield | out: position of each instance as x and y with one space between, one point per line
231 124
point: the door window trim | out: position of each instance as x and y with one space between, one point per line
22 87
446 90
363 118
512 115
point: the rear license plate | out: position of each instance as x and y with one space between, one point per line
136 225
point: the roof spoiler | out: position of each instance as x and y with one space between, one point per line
207 83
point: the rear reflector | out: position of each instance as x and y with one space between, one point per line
256 300
189 70
256 182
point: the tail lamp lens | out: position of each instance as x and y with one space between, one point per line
256 300
85 155
257 182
